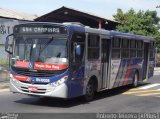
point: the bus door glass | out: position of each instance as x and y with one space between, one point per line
145 63
104 61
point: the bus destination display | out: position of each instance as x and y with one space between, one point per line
41 29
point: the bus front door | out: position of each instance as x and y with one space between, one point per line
145 63
104 62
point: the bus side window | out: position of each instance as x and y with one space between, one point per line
93 47
116 42
133 48
125 48
139 48
152 50
115 54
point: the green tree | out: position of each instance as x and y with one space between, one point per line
141 22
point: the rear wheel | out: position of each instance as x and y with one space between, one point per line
135 80
89 95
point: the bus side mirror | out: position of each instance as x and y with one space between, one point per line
78 50
7 43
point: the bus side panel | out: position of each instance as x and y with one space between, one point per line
138 66
92 69
151 67
122 71
76 83
115 68
125 73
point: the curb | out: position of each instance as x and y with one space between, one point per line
4 85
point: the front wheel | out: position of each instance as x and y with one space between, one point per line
135 80
89 95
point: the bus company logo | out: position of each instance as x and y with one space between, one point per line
30 65
29 79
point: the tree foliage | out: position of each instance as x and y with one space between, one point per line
141 22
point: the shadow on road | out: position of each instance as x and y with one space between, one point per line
65 103
116 91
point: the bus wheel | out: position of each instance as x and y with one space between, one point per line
89 91
135 80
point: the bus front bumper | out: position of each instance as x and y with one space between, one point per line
60 91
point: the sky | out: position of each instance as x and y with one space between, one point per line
105 8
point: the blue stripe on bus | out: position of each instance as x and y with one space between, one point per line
76 83
128 66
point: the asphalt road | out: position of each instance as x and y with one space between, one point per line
145 98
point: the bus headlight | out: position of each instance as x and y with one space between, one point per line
13 79
59 82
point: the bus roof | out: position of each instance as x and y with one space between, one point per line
96 31
82 28
131 36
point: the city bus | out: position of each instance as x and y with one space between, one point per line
67 60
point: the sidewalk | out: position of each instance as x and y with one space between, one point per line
4 85
4 79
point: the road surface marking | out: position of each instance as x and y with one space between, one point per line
141 91
135 89
148 94
149 86
4 90
147 90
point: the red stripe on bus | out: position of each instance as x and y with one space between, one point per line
43 66
20 78
128 73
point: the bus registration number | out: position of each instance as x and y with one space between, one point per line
33 89
42 80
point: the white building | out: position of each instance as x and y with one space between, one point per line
8 19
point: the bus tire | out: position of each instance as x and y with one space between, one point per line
90 91
135 80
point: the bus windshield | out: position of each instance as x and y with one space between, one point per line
40 50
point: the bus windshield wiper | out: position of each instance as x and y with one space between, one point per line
45 46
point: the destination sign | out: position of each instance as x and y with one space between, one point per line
40 29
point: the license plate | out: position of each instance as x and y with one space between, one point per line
33 89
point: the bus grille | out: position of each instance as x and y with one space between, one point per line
39 91
26 72
34 83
